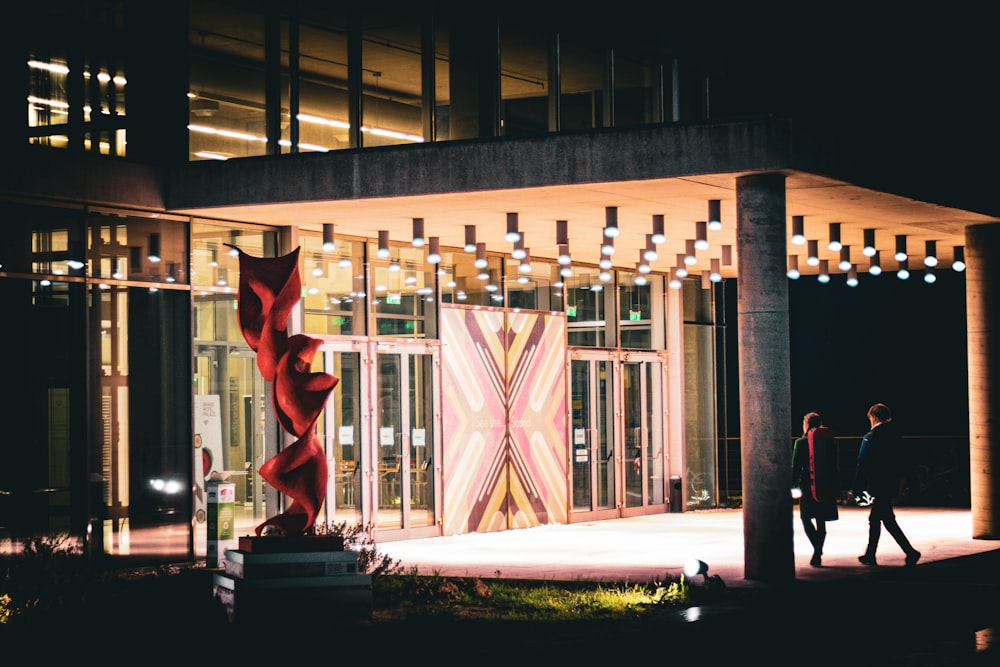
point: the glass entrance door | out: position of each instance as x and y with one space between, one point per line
341 429
617 433
643 430
405 437
592 441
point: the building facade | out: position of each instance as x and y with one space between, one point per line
515 239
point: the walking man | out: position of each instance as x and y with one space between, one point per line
878 474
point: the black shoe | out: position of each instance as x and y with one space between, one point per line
912 559
869 561
817 561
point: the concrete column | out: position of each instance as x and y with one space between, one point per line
765 378
982 295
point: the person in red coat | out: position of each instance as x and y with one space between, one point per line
815 474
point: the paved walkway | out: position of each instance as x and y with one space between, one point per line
655 547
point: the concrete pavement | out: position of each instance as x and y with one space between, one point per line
655 547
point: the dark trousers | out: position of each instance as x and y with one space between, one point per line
881 514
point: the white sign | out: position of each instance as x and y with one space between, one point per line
419 438
347 435
386 436
207 447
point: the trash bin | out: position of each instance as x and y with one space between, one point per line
676 493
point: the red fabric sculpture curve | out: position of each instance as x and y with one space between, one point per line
269 289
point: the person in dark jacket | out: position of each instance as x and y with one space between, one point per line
815 474
878 474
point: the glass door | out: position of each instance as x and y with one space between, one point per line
643 422
617 433
407 423
592 441
341 429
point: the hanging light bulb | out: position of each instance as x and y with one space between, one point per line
715 275
658 234
564 257
869 248
852 276
903 272
608 245
689 252
470 238
329 245
845 258
680 270
611 221
562 232
798 230
901 248
958 259
714 215
700 235
824 271
929 276
812 258
834 243
727 255
481 262
518 251
875 265
512 231
418 233
930 254
650 253
383 244
434 252
793 267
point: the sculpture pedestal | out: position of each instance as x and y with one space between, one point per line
297 581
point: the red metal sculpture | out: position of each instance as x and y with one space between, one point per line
269 289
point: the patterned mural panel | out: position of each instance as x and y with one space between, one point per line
499 475
536 363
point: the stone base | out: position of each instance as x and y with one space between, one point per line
303 588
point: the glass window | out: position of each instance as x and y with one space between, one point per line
323 103
76 88
641 310
534 285
226 82
391 79
581 95
637 93
138 248
524 81
588 302
334 284
403 293
465 283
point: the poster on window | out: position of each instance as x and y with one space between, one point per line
207 448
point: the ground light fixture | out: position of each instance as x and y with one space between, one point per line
694 567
